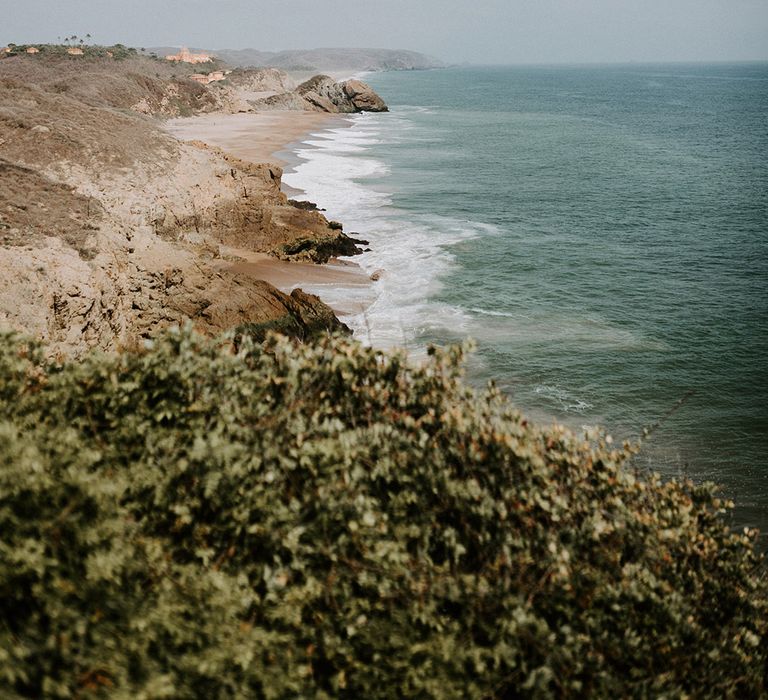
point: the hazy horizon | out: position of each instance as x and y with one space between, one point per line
496 32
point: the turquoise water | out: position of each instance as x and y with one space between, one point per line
602 232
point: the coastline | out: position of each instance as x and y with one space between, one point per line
274 137
257 137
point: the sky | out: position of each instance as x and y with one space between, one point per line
456 31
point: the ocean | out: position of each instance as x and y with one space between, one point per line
601 232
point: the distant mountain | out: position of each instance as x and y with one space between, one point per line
322 59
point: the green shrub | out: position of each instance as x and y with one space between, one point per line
327 520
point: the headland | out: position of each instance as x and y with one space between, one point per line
135 196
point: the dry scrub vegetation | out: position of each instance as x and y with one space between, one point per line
325 520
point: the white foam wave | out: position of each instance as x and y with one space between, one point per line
488 312
412 249
562 398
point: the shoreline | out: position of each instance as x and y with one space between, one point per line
258 137
274 137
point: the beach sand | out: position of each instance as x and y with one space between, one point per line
257 137
286 276
266 137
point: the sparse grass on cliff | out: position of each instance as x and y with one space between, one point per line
116 51
325 520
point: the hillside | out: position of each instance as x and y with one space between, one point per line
188 513
329 60
111 229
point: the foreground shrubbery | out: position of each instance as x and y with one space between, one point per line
324 521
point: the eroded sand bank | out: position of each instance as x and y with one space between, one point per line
260 137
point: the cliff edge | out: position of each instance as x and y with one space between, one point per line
110 229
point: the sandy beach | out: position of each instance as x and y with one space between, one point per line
260 137
256 137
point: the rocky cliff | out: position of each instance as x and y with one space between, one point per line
111 229
322 94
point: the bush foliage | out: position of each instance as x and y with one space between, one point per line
285 520
117 51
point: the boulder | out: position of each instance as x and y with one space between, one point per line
256 307
321 249
325 94
363 97
315 316
300 315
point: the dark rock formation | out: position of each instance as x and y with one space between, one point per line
322 250
306 206
322 94
316 316
301 315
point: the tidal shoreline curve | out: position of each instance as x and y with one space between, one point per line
273 137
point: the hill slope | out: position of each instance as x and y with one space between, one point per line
111 229
324 60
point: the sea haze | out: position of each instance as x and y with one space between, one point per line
602 232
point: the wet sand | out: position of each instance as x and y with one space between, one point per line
288 275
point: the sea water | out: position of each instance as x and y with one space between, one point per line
601 232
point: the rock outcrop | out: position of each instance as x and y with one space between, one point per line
363 97
308 317
322 94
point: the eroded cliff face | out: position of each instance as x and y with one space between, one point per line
241 206
110 229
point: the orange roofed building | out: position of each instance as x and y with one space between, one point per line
33 49
186 56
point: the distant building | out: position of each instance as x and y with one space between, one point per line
185 56
33 49
5 49
74 51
